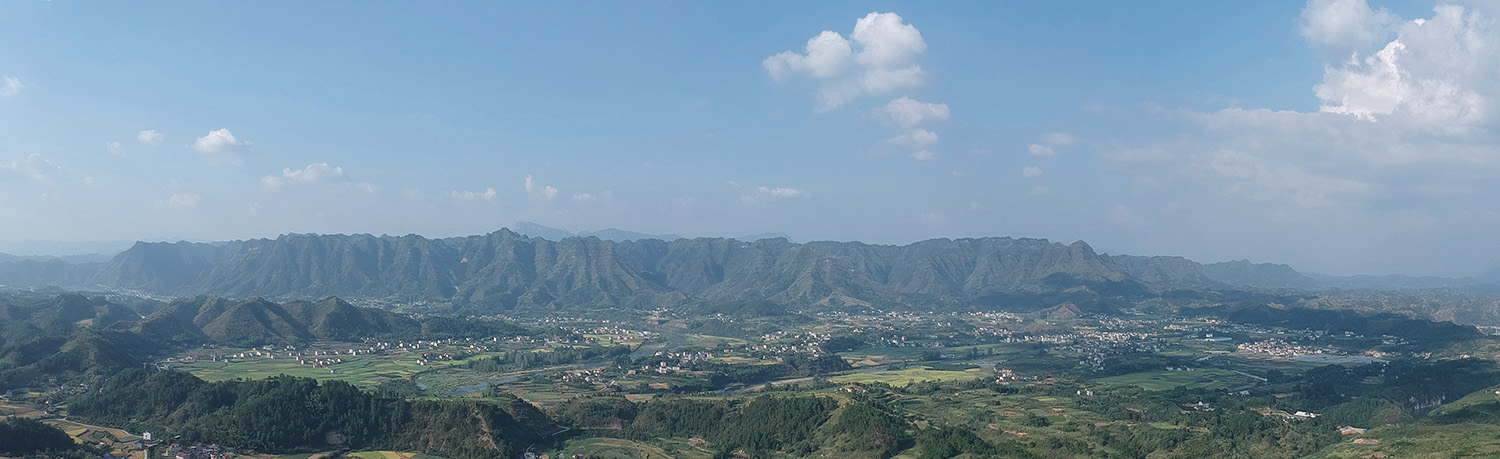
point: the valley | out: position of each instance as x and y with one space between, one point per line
773 350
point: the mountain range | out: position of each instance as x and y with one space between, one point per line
506 270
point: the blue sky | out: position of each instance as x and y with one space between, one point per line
1338 136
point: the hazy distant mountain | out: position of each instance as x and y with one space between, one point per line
1395 282
81 258
616 235
1168 272
1182 273
505 270
1259 275
63 250
608 234
759 236
544 232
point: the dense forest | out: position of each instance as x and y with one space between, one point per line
26 437
286 414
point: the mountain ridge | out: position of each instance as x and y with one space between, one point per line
505 270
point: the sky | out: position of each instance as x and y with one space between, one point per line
1337 136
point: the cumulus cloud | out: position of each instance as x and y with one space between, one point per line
33 167
766 194
914 139
221 145
149 137
1437 74
10 86
1031 172
1340 28
1405 122
585 197
180 201
907 113
114 148
488 195
923 155
366 187
313 173
539 191
879 57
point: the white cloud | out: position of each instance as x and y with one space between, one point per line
1252 178
180 201
1340 28
1031 172
150 137
1040 150
1436 75
10 86
539 191
888 42
366 187
923 155
884 61
1039 190
908 113
1283 160
828 55
914 139
780 192
765 194
487 195
313 173
221 145
34 167
114 148
585 197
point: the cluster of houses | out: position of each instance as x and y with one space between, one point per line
1006 375
1279 348
593 376
1093 348
429 357
197 452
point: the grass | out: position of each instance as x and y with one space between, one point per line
907 376
364 371
391 455
17 409
1168 380
1420 442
